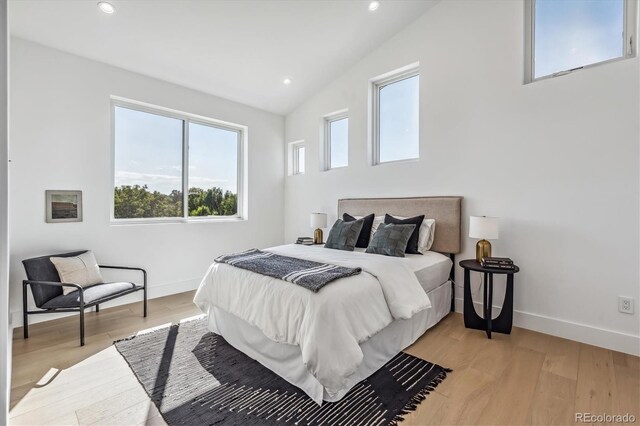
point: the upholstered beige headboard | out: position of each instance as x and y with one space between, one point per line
445 210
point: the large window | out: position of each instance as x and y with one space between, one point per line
336 140
395 116
170 165
568 35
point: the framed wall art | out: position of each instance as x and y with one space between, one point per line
64 206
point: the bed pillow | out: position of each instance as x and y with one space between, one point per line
82 270
412 244
391 239
365 233
427 233
344 235
374 226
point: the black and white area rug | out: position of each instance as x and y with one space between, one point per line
196 378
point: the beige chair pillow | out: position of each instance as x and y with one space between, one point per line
82 270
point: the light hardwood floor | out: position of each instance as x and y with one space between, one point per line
524 378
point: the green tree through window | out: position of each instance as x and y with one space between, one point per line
151 173
134 202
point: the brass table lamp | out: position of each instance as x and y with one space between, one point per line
318 221
485 228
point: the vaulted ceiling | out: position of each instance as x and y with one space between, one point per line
237 49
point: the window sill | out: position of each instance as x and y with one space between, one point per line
578 69
168 221
406 160
336 168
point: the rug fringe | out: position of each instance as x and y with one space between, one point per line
413 403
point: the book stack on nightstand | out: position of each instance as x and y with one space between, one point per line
306 241
498 263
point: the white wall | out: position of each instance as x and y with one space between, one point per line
61 139
557 160
5 323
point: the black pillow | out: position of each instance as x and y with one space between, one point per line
365 234
390 239
412 245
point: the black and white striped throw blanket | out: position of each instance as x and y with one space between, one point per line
305 273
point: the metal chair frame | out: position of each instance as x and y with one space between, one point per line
81 308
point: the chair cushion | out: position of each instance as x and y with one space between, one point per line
91 295
41 269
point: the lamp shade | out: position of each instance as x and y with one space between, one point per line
318 220
483 227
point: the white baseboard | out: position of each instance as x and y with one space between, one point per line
153 293
583 333
609 339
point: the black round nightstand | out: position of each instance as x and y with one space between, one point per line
504 321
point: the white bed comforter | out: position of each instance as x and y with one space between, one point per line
329 325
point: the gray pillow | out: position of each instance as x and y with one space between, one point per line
344 235
390 239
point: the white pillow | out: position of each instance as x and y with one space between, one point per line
82 270
426 233
374 226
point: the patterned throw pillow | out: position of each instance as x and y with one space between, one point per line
344 235
412 245
390 239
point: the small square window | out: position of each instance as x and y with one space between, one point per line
566 36
336 140
296 158
395 114
300 160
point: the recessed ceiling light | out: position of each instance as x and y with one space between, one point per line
373 6
287 81
106 7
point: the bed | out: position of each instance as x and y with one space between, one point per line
326 342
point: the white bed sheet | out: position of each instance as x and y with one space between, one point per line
286 360
431 268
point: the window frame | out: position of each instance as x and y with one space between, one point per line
377 83
630 22
327 120
294 165
186 118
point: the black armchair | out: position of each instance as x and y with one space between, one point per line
47 292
